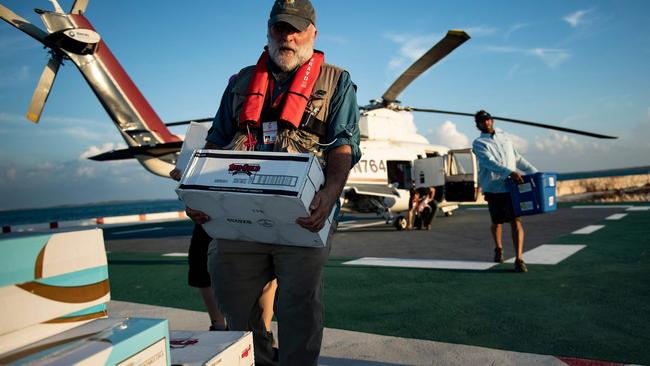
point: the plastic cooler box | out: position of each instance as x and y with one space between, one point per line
536 195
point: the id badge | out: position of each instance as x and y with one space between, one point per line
269 132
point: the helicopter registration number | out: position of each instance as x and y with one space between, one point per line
365 166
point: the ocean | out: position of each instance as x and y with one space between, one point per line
108 209
87 211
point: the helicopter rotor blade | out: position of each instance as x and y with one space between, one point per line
453 39
179 123
43 88
79 7
23 24
528 123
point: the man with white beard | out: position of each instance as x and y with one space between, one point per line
290 101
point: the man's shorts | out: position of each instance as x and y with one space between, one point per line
500 206
197 258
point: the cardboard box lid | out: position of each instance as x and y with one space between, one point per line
199 348
250 172
104 341
194 139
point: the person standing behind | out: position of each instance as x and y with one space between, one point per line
498 160
290 101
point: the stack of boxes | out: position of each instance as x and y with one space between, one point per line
53 291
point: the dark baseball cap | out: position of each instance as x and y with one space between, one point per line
298 13
481 116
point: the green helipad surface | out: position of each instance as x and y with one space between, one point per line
595 304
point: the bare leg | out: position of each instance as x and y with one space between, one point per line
410 218
266 302
212 306
518 237
496 235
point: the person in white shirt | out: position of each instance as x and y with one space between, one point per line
498 160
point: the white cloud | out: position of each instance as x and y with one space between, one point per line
411 48
521 144
577 18
85 171
552 57
95 150
512 29
557 144
448 135
78 181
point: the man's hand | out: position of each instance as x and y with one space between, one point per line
199 217
339 162
516 177
320 209
176 174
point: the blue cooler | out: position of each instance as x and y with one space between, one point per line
536 195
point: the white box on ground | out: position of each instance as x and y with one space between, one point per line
255 196
429 172
211 348
110 341
194 139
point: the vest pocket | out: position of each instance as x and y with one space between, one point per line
296 141
238 142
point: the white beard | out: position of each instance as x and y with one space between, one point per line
289 62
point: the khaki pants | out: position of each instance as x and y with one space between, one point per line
239 271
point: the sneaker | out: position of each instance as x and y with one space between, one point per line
498 255
520 266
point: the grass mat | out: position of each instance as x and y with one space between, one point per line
595 304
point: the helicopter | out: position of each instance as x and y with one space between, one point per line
390 144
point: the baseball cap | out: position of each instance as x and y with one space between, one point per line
298 13
481 116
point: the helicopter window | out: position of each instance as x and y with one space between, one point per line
460 164
399 172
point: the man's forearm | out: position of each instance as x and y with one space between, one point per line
339 161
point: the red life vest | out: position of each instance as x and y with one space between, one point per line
296 97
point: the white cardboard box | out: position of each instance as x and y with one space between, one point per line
255 196
211 348
110 341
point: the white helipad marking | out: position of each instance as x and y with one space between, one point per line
616 216
549 253
603 206
347 225
175 255
588 229
421 263
638 208
137 231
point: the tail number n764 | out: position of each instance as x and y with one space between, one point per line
365 166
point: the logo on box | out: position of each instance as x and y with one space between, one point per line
247 169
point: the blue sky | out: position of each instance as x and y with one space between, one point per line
579 64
